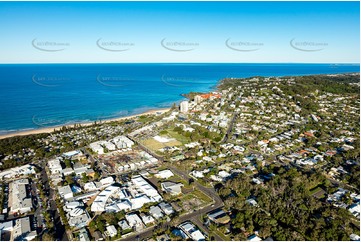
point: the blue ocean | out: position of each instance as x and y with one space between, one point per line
44 95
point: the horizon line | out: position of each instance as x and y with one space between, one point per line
183 63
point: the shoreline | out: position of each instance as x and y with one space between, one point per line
51 129
153 111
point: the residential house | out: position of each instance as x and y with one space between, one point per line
172 188
166 208
156 212
111 231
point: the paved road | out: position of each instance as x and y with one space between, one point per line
60 232
38 212
194 216
230 127
210 192
145 148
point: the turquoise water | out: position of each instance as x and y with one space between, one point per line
44 95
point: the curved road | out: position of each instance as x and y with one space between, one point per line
194 216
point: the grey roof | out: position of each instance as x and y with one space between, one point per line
156 212
166 207
172 187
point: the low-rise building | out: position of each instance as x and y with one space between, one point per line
78 218
19 202
146 188
254 238
55 166
67 171
134 221
90 186
17 171
22 230
83 235
192 231
65 192
219 217
166 208
164 174
172 188
123 224
79 168
111 231
100 201
156 212
147 219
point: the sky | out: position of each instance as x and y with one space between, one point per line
179 32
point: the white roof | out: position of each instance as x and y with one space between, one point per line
138 202
146 188
90 186
18 196
147 219
54 164
197 235
166 207
76 212
124 205
123 224
79 221
98 204
164 174
73 204
63 191
187 226
20 170
7 226
156 211
112 230
71 153
107 180
133 219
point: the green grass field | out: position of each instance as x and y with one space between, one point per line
179 137
155 145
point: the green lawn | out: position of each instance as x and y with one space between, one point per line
197 194
317 192
202 196
155 145
179 137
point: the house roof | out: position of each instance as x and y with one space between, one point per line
65 190
172 187
155 211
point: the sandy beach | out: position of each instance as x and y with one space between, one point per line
51 129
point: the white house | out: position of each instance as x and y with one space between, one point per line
172 188
55 166
134 221
107 181
147 219
166 208
112 231
65 192
90 186
156 212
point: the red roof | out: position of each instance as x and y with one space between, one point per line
308 134
209 95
